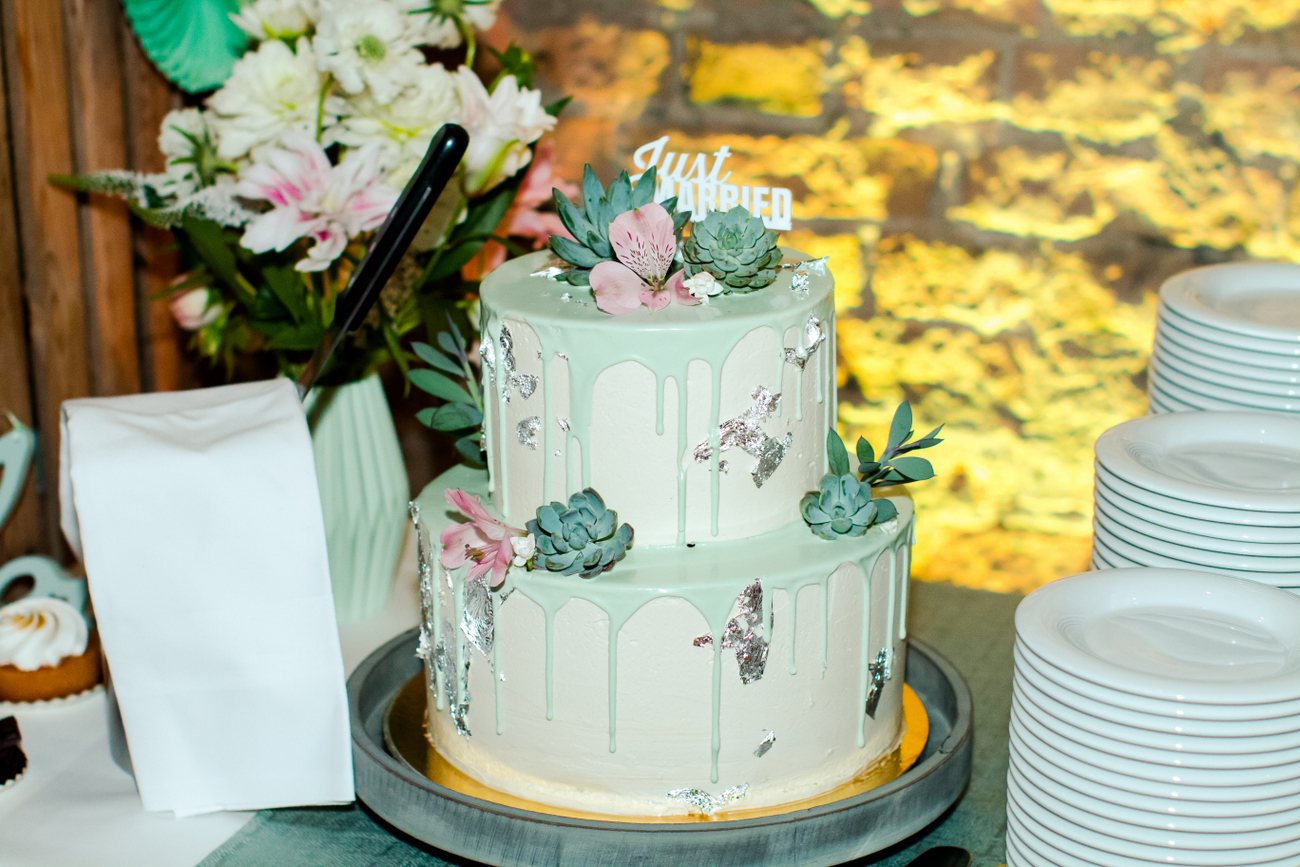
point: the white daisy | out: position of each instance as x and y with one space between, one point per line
365 44
272 90
277 19
433 22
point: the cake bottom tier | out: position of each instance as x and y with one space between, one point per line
740 674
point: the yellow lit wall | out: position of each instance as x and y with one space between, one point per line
1001 185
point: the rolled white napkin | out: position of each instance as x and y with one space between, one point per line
199 522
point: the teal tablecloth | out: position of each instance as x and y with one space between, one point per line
973 628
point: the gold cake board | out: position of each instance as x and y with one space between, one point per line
406 737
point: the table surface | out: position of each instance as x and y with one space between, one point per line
75 807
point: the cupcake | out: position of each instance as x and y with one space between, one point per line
46 651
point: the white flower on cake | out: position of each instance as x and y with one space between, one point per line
703 286
277 19
434 22
272 90
195 308
313 199
501 126
525 547
367 45
401 128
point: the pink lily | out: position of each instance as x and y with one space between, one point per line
483 541
644 243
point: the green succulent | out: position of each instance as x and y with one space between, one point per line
583 538
842 507
735 248
589 224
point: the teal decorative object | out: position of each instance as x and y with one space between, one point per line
192 42
363 492
16 448
584 539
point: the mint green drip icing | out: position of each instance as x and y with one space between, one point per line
548 419
889 621
902 610
659 405
715 453
709 579
664 342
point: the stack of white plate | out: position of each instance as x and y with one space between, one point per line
1155 719
1213 491
1228 338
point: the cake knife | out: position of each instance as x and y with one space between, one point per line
392 239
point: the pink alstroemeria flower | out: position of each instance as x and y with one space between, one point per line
311 198
644 243
483 541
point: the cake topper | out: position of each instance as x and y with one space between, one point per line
700 188
843 504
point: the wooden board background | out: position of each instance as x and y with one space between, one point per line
76 274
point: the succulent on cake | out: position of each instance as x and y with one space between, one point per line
583 538
843 504
736 248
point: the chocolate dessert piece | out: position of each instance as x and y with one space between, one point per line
12 760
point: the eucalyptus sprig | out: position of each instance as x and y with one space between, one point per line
894 467
462 408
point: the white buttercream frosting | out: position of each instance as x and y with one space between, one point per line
40 632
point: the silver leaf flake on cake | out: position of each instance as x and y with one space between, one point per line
525 382
879 671
748 635
703 640
563 423
764 745
487 352
528 430
476 619
802 271
812 338
746 433
445 661
706 803
554 267
424 562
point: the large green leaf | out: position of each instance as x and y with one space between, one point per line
434 358
455 416
438 385
208 242
915 469
836 455
901 427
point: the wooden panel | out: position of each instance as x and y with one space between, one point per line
35 58
105 225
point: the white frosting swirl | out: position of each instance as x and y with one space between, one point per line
39 632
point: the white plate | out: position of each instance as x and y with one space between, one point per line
1101 724
1264 346
1125 824
1217 513
1156 772
1158 405
1036 853
1146 557
1261 299
1172 393
1091 847
1214 560
1262 811
1178 535
1285 712
1274 765
1170 634
1209 349
1120 714
1242 460
1169 361
1189 358
1176 382
1246 797
1231 533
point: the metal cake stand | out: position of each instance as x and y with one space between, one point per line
495 834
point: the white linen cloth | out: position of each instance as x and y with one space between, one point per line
199 522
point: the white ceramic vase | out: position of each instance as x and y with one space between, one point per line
363 491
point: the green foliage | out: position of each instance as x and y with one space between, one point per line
514 61
735 248
589 224
843 504
461 412
583 538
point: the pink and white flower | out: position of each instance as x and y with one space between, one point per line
195 309
501 126
645 245
483 542
311 198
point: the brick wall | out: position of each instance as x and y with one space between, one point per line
1001 184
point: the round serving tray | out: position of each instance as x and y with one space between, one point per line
820 836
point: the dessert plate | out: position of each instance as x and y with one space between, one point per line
1227 743
1165 403
1214 560
1209 349
1217 513
1200 541
1144 556
1282 536
1191 361
1169 634
1221 377
1259 345
1261 299
1246 460
1284 712
1132 826
1171 378
1025 849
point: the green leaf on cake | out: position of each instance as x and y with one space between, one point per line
836 455
900 429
